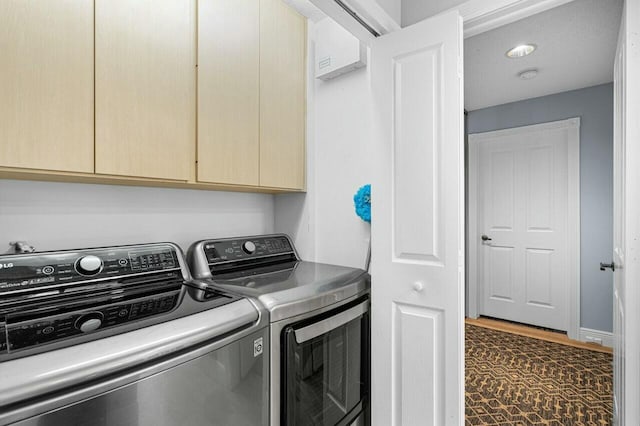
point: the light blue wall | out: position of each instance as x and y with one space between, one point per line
594 105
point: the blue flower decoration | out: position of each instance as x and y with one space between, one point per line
362 202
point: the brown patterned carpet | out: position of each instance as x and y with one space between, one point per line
517 380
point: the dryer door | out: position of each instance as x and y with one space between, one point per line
326 367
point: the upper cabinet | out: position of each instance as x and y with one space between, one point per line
46 84
282 96
228 91
185 93
145 81
251 93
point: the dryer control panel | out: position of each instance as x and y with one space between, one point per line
229 250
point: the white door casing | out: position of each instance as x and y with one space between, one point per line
626 222
479 15
618 236
525 196
418 225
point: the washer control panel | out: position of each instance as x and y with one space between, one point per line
31 271
227 250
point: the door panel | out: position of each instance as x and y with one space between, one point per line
539 203
418 225
418 330
145 88
283 53
524 209
538 279
416 115
46 84
501 273
228 91
502 205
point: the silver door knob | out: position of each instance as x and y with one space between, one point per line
604 266
485 238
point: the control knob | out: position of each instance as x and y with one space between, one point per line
89 265
89 322
249 247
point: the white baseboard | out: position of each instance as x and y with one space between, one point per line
602 337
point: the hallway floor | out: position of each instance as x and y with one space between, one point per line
516 379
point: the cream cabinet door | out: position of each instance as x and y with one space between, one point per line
228 91
145 88
282 96
46 84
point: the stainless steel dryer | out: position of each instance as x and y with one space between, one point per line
320 330
117 336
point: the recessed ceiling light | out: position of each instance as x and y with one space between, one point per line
528 74
521 50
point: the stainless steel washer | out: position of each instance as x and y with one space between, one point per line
320 330
113 337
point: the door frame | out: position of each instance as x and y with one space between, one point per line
626 137
474 261
480 16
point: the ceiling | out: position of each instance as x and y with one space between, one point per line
576 48
416 10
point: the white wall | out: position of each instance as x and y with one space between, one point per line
323 222
54 216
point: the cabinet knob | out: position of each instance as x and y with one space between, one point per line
418 286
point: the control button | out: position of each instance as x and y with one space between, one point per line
89 265
89 322
123 313
47 270
123 262
48 330
249 247
90 325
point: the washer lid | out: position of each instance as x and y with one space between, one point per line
298 287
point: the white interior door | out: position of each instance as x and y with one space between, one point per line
418 225
527 206
626 225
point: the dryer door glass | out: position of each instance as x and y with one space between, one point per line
326 368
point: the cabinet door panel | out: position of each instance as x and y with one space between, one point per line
145 88
282 95
46 84
228 91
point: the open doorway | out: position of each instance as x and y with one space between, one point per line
539 129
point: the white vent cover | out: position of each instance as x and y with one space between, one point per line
337 50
